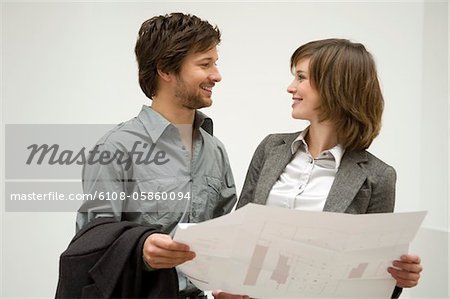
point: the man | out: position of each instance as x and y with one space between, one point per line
164 166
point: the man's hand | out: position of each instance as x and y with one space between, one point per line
161 252
219 294
406 271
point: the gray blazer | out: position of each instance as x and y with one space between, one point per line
363 183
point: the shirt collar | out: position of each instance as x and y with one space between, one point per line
300 140
155 124
337 151
203 121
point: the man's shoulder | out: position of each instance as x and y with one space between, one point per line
123 133
212 141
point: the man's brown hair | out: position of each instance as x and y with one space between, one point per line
165 41
344 73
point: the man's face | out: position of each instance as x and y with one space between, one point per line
197 77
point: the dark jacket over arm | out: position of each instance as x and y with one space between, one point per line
104 260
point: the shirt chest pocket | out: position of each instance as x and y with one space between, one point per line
163 196
208 200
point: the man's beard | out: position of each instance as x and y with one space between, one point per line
189 98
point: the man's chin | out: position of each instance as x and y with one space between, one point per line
198 103
203 104
207 103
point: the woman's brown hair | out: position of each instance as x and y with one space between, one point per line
344 73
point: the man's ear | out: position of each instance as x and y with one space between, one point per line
166 76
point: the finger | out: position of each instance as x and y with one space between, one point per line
411 267
159 263
406 283
153 251
166 242
410 258
162 260
172 259
165 265
403 275
219 294
216 293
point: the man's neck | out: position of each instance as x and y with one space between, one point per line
175 114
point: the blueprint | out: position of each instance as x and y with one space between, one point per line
268 252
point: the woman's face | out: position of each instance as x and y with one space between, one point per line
305 97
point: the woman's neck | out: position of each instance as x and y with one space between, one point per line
321 136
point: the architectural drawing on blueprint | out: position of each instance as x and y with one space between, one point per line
268 252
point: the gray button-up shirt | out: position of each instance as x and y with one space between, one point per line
141 172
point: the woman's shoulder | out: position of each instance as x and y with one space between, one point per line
377 161
280 138
368 161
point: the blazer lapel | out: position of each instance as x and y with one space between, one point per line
347 182
276 161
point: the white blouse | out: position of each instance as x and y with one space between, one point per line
306 182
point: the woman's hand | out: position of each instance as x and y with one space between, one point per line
219 294
406 271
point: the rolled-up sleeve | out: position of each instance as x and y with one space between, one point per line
104 183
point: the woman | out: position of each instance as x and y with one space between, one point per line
326 166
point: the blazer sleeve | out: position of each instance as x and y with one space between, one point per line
253 172
382 199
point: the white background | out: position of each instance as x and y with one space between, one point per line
74 63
